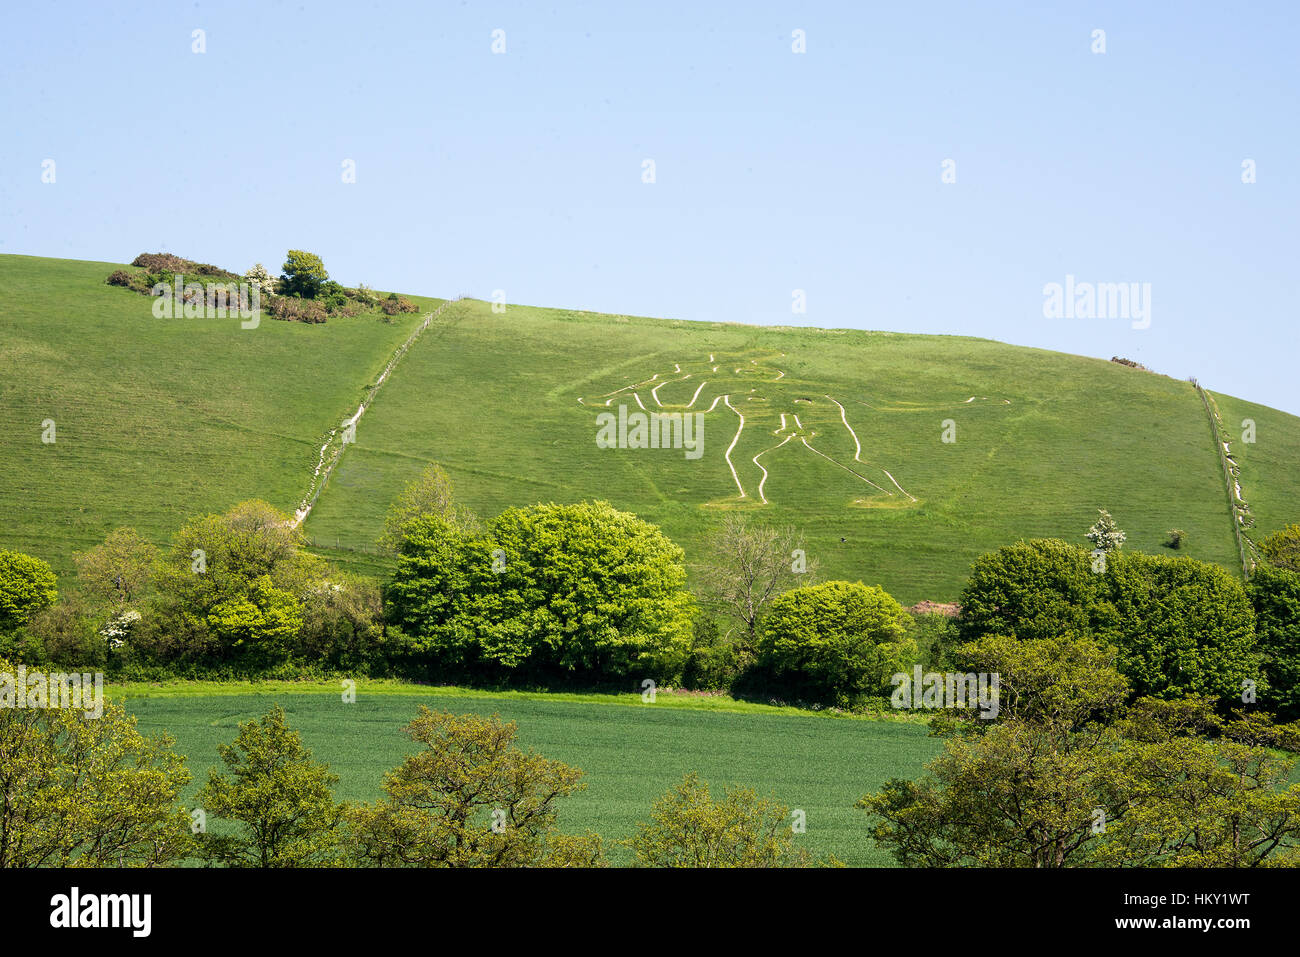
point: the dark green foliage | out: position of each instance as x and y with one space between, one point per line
549 591
27 584
1275 594
1181 626
302 275
714 660
835 643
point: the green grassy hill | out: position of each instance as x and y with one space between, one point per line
157 420
161 419
1042 439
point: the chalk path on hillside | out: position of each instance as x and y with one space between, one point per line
324 469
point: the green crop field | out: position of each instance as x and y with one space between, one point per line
631 754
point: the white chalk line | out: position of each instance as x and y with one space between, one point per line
845 467
763 480
727 455
857 454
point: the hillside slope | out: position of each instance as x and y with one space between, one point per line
508 403
157 420
842 436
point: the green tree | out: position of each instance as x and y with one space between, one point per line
431 493
1069 776
1282 548
261 624
27 585
688 828
588 588
1275 595
77 791
230 587
343 621
747 566
549 590
835 642
469 798
1181 626
1035 589
432 595
302 274
279 796
118 570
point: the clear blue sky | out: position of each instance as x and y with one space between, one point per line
775 171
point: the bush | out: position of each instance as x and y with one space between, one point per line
1176 538
714 660
689 828
395 304
167 264
935 635
260 278
160 262
1282 548
364 295
332 296
835 643
297 310
65 634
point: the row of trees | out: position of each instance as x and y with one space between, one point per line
233 594
587 594
82 792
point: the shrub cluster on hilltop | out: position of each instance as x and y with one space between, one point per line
303 292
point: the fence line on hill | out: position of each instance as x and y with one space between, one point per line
332 451
1238 510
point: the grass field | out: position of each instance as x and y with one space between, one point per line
161 420
1046 440
158 420
631 753
1269 478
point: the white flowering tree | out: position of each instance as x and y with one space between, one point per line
1106 535
262 280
